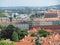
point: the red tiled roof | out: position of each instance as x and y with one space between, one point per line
49 12
46 19
47 40
27 41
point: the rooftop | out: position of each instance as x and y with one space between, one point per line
46 19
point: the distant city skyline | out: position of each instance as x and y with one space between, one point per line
39 3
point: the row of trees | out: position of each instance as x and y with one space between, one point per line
13 33
41 33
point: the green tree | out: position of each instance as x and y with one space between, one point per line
43 33
33 34
22 33
15 36
0 35
37 41
10 27
10 19
14 16
8 31
3 42
2 27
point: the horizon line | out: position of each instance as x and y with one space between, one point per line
30 6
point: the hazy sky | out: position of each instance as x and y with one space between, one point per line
6 3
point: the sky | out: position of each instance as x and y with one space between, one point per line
40 3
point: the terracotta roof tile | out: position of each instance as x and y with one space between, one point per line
46 19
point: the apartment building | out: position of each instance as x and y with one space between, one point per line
46 18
